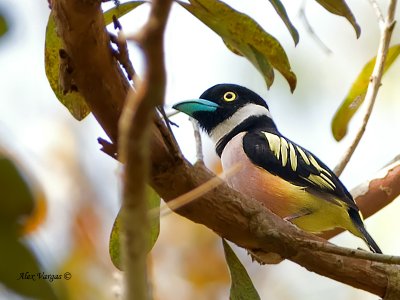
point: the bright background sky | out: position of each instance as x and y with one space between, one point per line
63 154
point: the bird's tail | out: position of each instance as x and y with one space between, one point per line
356 218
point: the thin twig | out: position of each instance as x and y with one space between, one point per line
375 83
108 148
163 125
309 28
173 113
122 54
347 252
167 119
325 247
116 22
197 138
194 194
378 11
135 127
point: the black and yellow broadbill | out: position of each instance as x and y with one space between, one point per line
288 179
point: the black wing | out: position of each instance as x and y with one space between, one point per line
283 158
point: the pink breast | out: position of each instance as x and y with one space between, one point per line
257 183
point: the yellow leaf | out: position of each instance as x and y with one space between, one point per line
120 10
281 11
244 36
356 95
72 100
340 8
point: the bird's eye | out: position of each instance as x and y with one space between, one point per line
229 96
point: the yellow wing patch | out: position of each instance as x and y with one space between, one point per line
280 148
323 179
317 166
320 181
284 150
303 155
274 143
293 157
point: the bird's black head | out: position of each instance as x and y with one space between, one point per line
223 104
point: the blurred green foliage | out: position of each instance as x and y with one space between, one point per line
3 24
19 268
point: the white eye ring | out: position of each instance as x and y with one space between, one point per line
230 96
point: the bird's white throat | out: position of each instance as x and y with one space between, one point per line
243 113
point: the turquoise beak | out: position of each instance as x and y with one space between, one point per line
190 107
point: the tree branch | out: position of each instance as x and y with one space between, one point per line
374 84
80 24
243 221
134 143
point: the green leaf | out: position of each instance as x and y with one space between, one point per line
17 201
280 9
72 100
16 204
17 264
22 201
154 204
263 65
243 35
120 10
115 242
114 245
3 25
242 287
357 93
340 8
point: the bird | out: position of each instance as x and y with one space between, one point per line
285 177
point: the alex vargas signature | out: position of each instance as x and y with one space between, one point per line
42 276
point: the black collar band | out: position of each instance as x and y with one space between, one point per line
254 122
